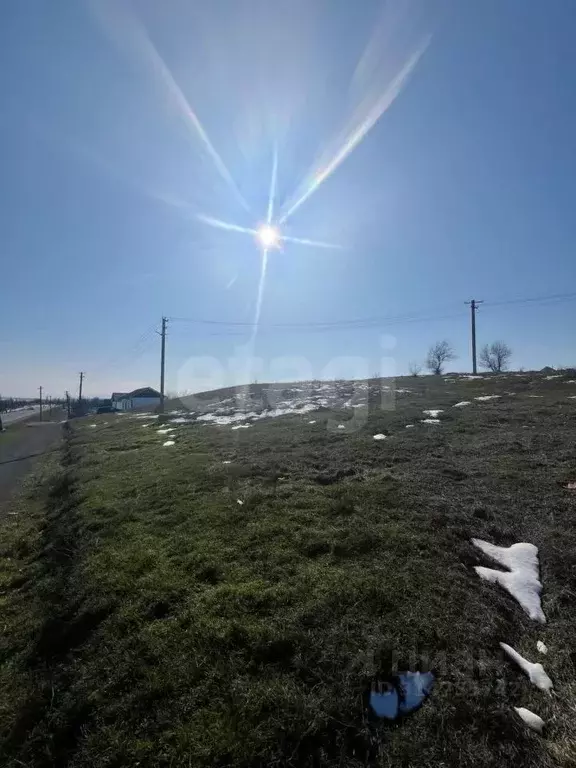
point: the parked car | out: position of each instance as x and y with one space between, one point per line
105 409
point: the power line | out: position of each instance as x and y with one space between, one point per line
559 297
334 328
370 321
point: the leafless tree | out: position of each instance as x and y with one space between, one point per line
439 354
415 368
495 356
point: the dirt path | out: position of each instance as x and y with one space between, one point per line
20 447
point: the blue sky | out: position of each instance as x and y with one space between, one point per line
464 187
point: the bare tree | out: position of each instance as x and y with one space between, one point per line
415 368
438 354
495 356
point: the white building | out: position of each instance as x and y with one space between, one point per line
146 397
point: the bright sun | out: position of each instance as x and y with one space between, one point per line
268 236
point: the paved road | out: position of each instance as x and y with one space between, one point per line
20 446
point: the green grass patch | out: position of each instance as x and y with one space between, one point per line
151 619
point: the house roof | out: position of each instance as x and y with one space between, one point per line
144 392
119 395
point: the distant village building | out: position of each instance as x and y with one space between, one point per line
146 397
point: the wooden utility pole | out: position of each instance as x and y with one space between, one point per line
82 374
163 362
40 390
473 307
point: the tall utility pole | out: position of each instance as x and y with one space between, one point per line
473 307
163 362
68 403
40 390
82 374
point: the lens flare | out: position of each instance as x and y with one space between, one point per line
268 236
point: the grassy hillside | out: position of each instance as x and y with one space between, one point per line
229 600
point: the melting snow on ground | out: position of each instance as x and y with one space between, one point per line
162 431
167 443
462 404
430 421
379 437
531 719
409 426
242 426
536 672
541 647
487 397
433 412
521 581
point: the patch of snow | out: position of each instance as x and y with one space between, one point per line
239 501
402 391
571 397
433 412
521 581
146 416
553 376
163 431
227 461
341 426
311 422
181 420
536 673
430 421
541 647
531 719
242 426
571 486
483 398
535 395
167 443
462 404
379 436
145 425
570 381
93 425
409 426
472 377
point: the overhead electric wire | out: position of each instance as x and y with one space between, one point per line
372 322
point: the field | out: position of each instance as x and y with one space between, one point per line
230 599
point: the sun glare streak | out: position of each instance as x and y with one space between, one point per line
124 28
272 195
313 243
260 295
358 133
219 224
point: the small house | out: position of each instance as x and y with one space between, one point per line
145 397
